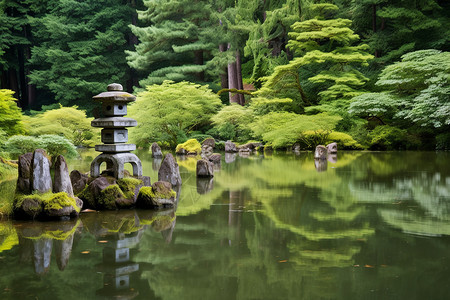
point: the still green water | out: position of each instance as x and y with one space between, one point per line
364 225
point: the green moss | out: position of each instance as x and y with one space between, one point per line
59 201
128 186
191 145
343 140
108 196
149 193
87 196
49 201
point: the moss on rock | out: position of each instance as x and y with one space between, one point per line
108 196
191 146
160 194
128 186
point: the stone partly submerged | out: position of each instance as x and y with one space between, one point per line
332 148
109 193
230 147
169 170
156 151
208 147
205 168
36 200
321 152
159 195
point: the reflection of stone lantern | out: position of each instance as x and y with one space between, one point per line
116 152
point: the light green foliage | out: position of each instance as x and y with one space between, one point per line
69 122
310 139
344 141
422 83
79 48
191 146
374 105
54 145
170 111
7 190
283 129
391 138
10 114
326 46
7 169
232 123
263 106
268 38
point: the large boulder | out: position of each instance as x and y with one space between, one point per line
332 148
41 180
24 179
207 151
159 195
62 182
169 170
79 181
205 168
215 158
156 150
321 152
209 142
230 147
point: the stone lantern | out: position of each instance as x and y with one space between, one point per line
115 150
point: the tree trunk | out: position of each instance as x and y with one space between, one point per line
374 25
132 41
232 81
223 75
13 84
198 60
240 85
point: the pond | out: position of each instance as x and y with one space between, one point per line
363 225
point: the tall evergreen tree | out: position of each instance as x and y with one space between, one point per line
395 27
327 49
176 42
80 48
15 42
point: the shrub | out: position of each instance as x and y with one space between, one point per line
391 138
69 122
10 114
191 145
54 145
443 141
232 123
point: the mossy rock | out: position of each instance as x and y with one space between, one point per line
108 196
159 195
46 206
191 147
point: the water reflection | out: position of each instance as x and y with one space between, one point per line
374 225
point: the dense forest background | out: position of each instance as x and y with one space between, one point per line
368 74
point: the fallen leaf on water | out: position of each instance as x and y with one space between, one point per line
102 242
283 261
88 210
356 265
85 252
368 266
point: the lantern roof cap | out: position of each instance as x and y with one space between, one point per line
115 93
